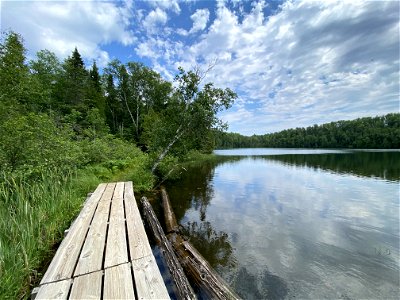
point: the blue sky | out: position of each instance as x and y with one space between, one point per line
292 63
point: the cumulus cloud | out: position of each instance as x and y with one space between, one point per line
312 62
154 19
200 20
166 5
60 26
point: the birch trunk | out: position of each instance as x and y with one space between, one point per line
178 135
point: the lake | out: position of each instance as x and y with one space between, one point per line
296 223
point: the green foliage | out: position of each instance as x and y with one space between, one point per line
133 90
189 118
381 132
137 171
33 143
14 78
71 89
46 70
107 148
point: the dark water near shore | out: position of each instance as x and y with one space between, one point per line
282 224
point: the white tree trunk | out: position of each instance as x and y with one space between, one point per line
179 132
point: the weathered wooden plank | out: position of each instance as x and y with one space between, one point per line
91 257
138 242
87 286
118 283
148 279
116 248
64 261
54 290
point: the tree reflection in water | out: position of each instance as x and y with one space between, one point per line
213 245
385 165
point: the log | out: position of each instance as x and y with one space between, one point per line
194 264
184 290
170 219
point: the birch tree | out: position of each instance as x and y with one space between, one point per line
190 116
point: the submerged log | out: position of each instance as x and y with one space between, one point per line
196 267
184 290
170 219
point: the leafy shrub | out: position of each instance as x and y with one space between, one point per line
33 143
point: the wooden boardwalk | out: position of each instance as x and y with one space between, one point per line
106 253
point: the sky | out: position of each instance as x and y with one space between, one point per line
292 63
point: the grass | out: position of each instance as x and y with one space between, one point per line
35 213
32 219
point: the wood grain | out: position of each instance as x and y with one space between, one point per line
91 257
64 261
54 290
148 279
118 282
87 286
116 248
137 238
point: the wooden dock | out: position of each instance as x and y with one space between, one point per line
106 253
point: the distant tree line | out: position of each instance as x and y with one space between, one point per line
380 132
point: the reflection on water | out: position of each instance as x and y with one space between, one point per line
385 165
297 226
210 243
269 286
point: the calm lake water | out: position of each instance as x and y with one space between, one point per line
293 223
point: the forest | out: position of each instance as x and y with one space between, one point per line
65 114
65 127
380 132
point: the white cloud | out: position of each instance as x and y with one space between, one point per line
154 19
200 20
60 26
312 62
182 32
166 5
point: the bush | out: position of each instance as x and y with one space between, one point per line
33 143
107 148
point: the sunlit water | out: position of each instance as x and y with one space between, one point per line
297 224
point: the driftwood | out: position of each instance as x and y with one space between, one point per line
196 267
184 290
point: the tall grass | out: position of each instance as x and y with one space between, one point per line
35 212
33 216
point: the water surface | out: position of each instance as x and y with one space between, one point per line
296 223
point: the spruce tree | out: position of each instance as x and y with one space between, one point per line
73 84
